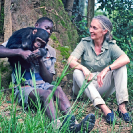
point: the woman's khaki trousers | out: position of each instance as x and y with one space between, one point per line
115 80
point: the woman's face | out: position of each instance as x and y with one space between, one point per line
96 30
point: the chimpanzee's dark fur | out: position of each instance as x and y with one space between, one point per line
24 39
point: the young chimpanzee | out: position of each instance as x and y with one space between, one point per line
28 39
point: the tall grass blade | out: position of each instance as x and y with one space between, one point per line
82 89
0 79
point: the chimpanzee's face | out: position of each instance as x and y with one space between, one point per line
39 43
46 25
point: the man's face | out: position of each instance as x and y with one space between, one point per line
46 25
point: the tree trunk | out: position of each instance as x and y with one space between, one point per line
82 7
0 7
7 20
69 6
90 11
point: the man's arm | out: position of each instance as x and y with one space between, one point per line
5 52
45 74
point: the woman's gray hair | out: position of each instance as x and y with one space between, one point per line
106 24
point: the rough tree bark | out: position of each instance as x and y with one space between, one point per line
90 11
82 7
0 7
69 6
7 20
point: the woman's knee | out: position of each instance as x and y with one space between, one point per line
121 69
120 73
77 72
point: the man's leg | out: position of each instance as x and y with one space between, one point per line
63 101
43 95
86 124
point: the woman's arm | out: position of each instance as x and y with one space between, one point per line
121 61
72 61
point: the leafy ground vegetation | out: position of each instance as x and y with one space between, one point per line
14 119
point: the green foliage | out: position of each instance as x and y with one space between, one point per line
100 12
3 68
67 32
65 51
120 13
31 121
82 28
2 20
5 71
61 2
54 38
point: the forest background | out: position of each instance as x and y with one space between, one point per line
71 23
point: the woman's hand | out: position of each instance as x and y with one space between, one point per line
73 62
101 75
88 75
121 61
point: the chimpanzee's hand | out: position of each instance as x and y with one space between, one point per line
41 52
36 55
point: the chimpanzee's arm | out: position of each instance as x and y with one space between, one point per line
45 74
5 52
21 39
15 46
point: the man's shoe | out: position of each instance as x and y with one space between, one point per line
126 116
110 117
68 123
86 125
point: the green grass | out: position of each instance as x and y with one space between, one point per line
14 119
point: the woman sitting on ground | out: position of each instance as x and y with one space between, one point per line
97 53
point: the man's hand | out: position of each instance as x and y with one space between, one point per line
88 75
101 75
24 53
